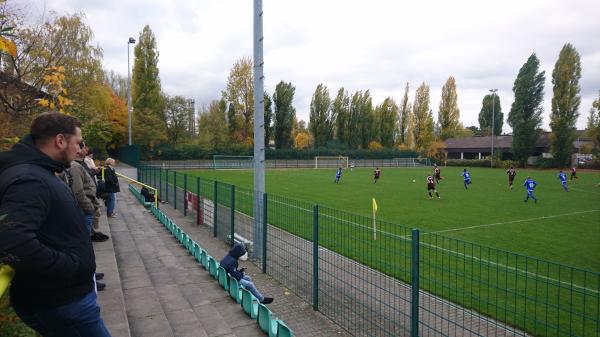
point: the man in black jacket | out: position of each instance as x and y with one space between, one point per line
43 233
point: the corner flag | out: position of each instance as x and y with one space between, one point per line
374 221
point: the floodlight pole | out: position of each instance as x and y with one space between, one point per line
130 41
259 131
493 91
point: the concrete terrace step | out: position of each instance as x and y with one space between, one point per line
166 292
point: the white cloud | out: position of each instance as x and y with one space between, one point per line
377 45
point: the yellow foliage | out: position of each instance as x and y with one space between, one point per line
375 145
302 141
7 46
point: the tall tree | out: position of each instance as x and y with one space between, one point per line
366 120
405 112
177 113
285 115
340 110
149 127
354 126
240 92
386 122
212 127
565 103
423 119
320 123
449 114
525 116
268 119
593 126
233 122
489 105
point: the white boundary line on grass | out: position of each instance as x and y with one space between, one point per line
515 221
576 189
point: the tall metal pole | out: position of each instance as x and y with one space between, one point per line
259 130
493 117
130 41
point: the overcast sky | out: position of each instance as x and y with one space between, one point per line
377 45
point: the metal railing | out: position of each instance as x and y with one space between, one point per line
407 282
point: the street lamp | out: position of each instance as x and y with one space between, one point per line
130 41
493 91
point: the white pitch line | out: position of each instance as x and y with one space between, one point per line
514 221
576 189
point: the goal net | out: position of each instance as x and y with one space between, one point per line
224 162
411 162
331 161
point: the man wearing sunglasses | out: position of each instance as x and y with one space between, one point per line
41 233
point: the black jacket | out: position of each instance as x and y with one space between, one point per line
111 180
230 261
43 232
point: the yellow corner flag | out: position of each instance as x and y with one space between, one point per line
374 205
374 221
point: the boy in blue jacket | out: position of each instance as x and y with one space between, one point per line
230 264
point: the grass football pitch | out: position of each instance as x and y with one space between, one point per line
563 227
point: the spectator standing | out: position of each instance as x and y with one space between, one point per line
112 187
53 290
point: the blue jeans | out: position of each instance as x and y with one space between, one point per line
80 318
110 207
89 220
247 283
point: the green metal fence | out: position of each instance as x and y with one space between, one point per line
394 281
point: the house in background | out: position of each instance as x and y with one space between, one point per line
479 147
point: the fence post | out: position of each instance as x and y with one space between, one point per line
232 206
315 276
264 238
175 189
185 204
215 208
198 212
167 183
160 182
414 284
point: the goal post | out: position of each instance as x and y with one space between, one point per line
331 161
224 162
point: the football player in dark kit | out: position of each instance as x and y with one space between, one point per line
511 176
437 173
431 187
376 175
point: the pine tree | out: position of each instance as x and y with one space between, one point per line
405 112
285 114
565 103
525 112
449 114
149 125
485 115
366 120
353 133
423 119
320 124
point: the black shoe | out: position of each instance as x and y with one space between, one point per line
99 276
99 237
267 300
100 286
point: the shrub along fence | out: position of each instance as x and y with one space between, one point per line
394 281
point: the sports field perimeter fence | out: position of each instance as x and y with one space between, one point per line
396 281
288 163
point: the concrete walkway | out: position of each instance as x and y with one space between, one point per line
167 293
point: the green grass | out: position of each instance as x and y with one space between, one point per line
482 248
10 324
519 227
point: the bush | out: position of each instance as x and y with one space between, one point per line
542 163
591 164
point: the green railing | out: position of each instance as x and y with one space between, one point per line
404 282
